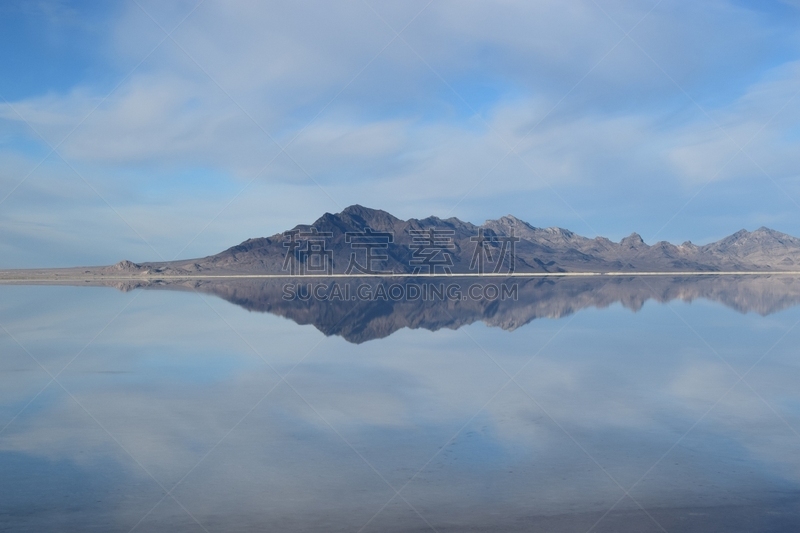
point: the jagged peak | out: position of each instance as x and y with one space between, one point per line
325 216
763 230
558 231
365 212
634 239
509 221
760 235
355 214
742 246
664 244
427 220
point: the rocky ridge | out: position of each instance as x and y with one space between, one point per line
538 250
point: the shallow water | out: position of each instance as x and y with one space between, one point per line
179 411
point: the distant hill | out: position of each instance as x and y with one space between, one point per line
535 249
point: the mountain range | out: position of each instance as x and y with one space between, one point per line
404 246
535 250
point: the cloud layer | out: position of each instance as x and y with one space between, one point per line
675 120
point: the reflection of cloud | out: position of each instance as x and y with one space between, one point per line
168 397
702 383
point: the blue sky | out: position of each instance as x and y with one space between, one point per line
150 130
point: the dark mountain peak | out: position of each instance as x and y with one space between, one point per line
427 221
358 209
331 222
436 222
257 242
326 218
634 240
367 213
363 217
353 218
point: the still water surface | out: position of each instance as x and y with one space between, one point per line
157 410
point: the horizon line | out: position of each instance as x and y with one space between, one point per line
149 277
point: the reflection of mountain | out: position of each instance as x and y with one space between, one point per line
538 249
373 318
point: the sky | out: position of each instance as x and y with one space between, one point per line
151 130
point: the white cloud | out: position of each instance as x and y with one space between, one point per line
398 138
